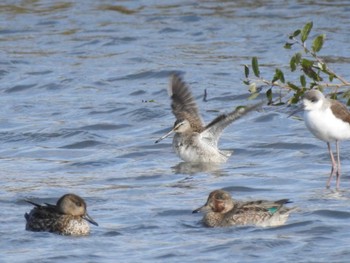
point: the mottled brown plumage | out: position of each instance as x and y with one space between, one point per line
221 210
67 217
194 142
183 105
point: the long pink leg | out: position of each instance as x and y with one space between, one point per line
334 165
338 169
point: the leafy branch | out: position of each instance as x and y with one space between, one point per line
313 70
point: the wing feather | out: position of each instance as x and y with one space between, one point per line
214 129
183 105
340 111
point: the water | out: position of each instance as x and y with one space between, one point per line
83 98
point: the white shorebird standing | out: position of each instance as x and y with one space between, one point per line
193 141
329 121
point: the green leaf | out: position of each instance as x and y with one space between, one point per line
246 82
296 33
346 94
297 57
311 73
306 31
255 67
318 43
295 61
312 85
281 75
306 63
348 102
331 77
274 79
295 99
293 64
246 71
278 76
303 80
293 87
279 104
269 95
288 45
334 96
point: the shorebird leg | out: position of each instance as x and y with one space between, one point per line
334 164
338 168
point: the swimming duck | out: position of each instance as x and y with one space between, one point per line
221 210
67 217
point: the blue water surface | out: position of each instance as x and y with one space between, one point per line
83 97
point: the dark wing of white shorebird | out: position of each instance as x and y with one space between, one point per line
340 111
183 105
214 129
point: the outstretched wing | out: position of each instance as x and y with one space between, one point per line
214 129
183 105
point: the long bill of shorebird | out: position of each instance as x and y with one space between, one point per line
165 136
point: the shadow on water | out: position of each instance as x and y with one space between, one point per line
194 168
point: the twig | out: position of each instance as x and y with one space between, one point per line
205 95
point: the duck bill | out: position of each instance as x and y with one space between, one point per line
201 209
164 136
89 219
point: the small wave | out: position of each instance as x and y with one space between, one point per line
81 145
